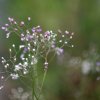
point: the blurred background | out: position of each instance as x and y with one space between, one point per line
76 74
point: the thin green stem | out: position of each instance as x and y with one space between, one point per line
34 83
34 96
44 76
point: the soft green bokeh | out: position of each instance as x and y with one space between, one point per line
79 16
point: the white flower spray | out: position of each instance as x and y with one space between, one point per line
35 44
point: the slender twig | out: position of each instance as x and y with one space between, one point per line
44 76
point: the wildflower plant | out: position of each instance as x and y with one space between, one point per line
34 45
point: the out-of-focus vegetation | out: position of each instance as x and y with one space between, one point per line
66 79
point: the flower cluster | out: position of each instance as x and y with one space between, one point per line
91 63
35 44
19 94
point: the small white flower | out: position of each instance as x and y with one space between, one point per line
1 87
14 58
60 41
29 55
27 31
14 76
66 32
72 46
46 63
23 58
66 42
7 65
15 22
29 18
29 44
7 35
34 43
3 60
21 46
63 35
25 71
86 67
10 50
72 33
59 50
13 45
25 63
6 24
32 56
34 61
41 35
2 57
2 77
22 23
33 49
3 28
10 19
71 37
17 68
28 48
